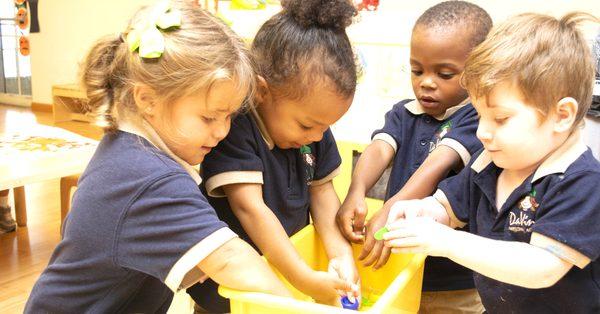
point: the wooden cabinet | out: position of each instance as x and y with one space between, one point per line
69 103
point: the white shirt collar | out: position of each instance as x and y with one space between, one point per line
262 128
557 162
416 108
142 128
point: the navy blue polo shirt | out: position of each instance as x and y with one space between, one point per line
248 155
557 208
138 227
414 134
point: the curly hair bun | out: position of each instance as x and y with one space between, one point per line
320 13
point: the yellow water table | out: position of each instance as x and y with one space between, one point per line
394 288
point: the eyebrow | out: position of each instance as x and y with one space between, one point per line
439 65
446 65
214 110
313 121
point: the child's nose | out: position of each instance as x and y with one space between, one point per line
315 136
428 83
221 130
483 133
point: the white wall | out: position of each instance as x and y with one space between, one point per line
387 77
68 29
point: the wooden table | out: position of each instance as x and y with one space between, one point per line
38 153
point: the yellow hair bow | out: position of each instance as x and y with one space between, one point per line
147 37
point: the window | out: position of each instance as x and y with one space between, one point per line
15 69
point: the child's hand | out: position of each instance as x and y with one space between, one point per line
405 210
427 207
375 251
324 287
350 218
344 267
419 235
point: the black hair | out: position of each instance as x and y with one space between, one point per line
458 13
305 43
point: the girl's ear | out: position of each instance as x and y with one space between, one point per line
566 112
145 99
263 94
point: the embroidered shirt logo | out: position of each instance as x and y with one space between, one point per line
522 219
528 203
309 161
439 135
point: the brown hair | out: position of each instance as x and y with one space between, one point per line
198 53
304 43
546 58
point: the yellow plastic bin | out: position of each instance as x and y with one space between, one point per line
394 288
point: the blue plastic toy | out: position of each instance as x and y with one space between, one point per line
349 305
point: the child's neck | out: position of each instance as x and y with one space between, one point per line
508 181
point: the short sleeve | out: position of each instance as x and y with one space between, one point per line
462 136
456 191
167 230
391 132
234 160
569 214
328 159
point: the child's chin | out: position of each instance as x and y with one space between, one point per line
196 160
502 163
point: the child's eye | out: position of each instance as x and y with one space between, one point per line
446 76
501 120
304 127
417 72
208 119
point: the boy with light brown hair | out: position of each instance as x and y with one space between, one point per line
531 196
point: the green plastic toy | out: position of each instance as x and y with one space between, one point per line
379 234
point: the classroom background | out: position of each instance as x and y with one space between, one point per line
39 101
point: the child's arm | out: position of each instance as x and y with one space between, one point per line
324 204
237 265
512 262
517 263
268 234
369 168
421 184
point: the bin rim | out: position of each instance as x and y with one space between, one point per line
401 279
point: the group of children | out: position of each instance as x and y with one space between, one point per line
504 107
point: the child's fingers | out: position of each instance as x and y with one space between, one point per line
397 225
368 246
397 211
357 292
403 242
399 230
383 258
345 224
405 250
342 285
375 253
358 223
404 210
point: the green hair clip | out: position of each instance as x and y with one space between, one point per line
146 37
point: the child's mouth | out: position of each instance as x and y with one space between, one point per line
428 101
